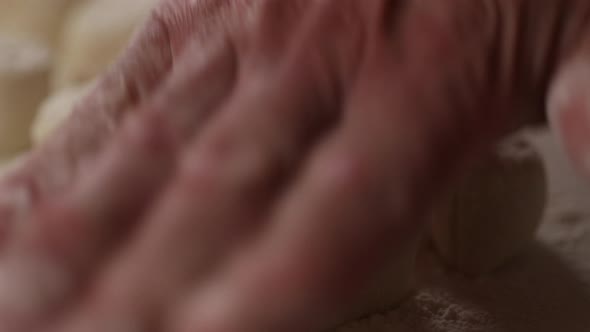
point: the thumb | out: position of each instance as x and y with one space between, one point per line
569 111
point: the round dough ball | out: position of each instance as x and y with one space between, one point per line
395 282
36 20
494 211
24 73
55 110
94 34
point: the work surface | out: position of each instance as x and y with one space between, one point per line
545 289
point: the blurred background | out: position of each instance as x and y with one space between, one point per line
51 52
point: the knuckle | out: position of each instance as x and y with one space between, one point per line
151 134
227 159
324 33
342 172
205 167
199 174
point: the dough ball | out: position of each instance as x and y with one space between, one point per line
55 110
94 34
36 20
395 283
24 73
494 211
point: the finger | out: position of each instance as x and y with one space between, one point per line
569 112
75 232
230 175
180 105
52 167
334 230
225 183
360 202
68 235
138 72
135 75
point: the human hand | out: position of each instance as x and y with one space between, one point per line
253 165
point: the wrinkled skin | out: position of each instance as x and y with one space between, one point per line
243 155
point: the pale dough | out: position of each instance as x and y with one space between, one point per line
39 21
24 74
494 211
55 110
94 34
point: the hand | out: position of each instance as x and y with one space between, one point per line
253 165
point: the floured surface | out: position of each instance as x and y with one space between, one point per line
545 289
